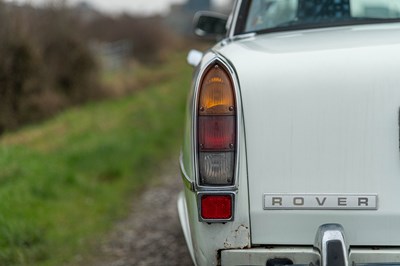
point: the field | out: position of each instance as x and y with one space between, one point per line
63 183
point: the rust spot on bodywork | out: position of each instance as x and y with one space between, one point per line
239 238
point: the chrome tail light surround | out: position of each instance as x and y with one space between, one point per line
199 186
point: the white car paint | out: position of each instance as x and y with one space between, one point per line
320 117
321 109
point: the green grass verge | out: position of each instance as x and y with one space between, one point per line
63 183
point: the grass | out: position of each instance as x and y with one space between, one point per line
63 183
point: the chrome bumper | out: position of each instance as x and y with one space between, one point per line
330 249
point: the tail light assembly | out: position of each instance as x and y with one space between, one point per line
216 144
216 128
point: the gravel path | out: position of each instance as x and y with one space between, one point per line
151 235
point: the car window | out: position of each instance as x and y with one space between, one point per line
283 14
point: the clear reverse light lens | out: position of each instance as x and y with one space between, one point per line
216 168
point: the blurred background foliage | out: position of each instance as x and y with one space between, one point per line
45 65
90 105
49 59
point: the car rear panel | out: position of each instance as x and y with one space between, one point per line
321 115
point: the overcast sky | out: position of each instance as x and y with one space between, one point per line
132 6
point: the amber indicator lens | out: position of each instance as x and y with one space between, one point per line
216 207
216 132
216 93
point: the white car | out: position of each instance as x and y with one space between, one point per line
291 150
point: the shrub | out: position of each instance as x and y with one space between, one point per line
150 37
45 64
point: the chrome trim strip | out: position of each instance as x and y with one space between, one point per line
222 193
196 90
189 184
244 36
328 235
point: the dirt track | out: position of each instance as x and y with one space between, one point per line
151 235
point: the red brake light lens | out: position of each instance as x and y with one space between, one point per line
216 207
216 132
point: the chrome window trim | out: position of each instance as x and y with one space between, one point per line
216 193
235 15
198 187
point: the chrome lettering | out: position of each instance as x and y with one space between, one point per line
362 201
276 201
342 201
319 202
327 201
298 201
